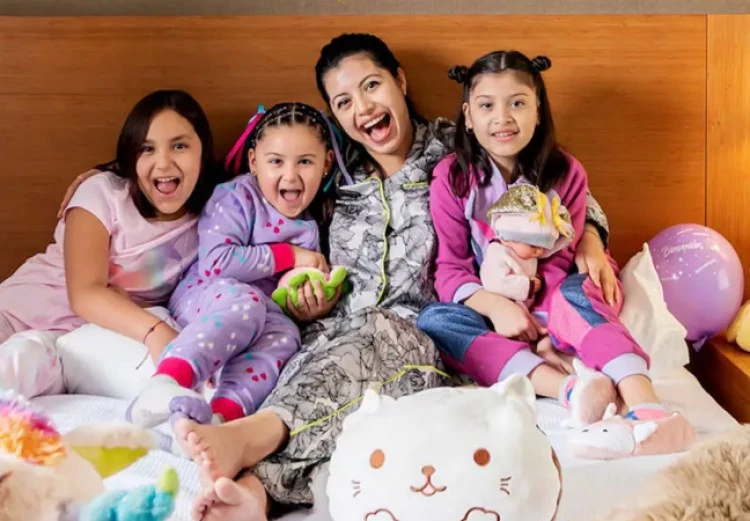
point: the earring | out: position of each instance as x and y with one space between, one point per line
469 130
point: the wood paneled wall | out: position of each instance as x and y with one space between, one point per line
628 93
728 141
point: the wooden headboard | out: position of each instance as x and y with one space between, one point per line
628 93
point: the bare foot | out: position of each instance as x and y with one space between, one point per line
223 450
216 448
230 501
203 503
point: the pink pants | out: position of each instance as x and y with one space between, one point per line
580 323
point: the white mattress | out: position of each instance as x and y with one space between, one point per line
591 488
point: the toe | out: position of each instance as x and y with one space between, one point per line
231 492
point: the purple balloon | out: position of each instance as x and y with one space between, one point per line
702 278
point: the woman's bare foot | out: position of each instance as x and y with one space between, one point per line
227 500
205 500
223 450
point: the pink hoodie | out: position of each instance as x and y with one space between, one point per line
464 232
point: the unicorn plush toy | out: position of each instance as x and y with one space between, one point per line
45 476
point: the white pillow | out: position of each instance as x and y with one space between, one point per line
101 362
646 316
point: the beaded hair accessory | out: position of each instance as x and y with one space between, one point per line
258 122
234 157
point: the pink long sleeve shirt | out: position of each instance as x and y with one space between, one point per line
464 233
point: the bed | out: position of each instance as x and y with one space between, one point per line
590 490
72 80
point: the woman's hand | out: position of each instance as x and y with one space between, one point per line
312 302
592 260
72 190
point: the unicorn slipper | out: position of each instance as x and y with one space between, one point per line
616 437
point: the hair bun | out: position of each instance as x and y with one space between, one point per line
541 63
459 73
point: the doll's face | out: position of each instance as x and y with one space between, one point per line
525 251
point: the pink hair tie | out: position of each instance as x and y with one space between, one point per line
235 154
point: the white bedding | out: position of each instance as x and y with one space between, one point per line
590 488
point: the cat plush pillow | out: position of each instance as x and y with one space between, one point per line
447 454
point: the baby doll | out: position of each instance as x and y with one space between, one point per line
528 226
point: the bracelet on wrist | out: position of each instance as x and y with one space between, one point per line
151 330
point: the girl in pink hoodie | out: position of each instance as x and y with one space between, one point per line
505 137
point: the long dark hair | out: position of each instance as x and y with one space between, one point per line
288 114
134 132
351 44
542 161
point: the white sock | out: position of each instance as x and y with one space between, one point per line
151 406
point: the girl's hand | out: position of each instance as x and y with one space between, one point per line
72 190
312 302
509 319
553 357
536 285
512 320
591 259
309 259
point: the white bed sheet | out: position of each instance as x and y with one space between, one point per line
591 488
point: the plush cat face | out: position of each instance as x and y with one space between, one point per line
445 454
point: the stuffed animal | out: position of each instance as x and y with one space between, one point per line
739 332
150 502
44 475
709 483
294 279
446 454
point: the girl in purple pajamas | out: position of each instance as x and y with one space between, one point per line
252 229
504 137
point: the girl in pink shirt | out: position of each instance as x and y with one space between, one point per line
505 137
122 245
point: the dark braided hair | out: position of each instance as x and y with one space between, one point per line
281 114
288 114
542 161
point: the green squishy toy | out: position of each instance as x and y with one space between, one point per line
296 278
